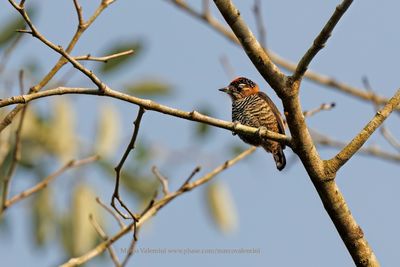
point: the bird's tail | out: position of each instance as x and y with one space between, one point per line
280 159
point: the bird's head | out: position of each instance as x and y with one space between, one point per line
240 88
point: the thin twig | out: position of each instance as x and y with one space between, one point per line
262 33
323 140
118 168
44 183
206 9
192 174
320 40
16 155
256 53
150 105
131 250
227 67
78 9
284 63
390 138
322 107
112 212
150 204
105 58
386 133
8 52
59 64
100 248
163 180
104 236
358 141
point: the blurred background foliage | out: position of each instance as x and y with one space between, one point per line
50 138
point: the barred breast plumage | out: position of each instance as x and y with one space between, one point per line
253 108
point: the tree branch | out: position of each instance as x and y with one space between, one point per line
61 62
44 183
105 58
303 145
321 40
262 33
163 180
118 168
152 211
271 73
149 105
374 151
350 149
284 63
104 237
16 154
322 107
112 212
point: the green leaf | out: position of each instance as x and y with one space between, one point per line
116 63
8 31
149 89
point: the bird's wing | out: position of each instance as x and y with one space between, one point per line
275 110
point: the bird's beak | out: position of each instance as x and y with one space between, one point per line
225 89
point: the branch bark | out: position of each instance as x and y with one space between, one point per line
334 164
321 40
61 61
302 143
271 73
286 64
150 105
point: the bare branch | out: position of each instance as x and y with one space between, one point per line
321 40
44 183
389 137
252 47
16 155
105 58
286 64
8 51
227 67
60 63
321 174
192 174
206 8
322 107
79 13
131 250
262 33
163 180
118 168
343 156
371 150
112 212
100 248
150 105
104 236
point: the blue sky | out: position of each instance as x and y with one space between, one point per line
279 212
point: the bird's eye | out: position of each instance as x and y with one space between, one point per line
242 85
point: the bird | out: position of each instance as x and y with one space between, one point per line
254 108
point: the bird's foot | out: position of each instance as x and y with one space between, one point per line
235 124
261 132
